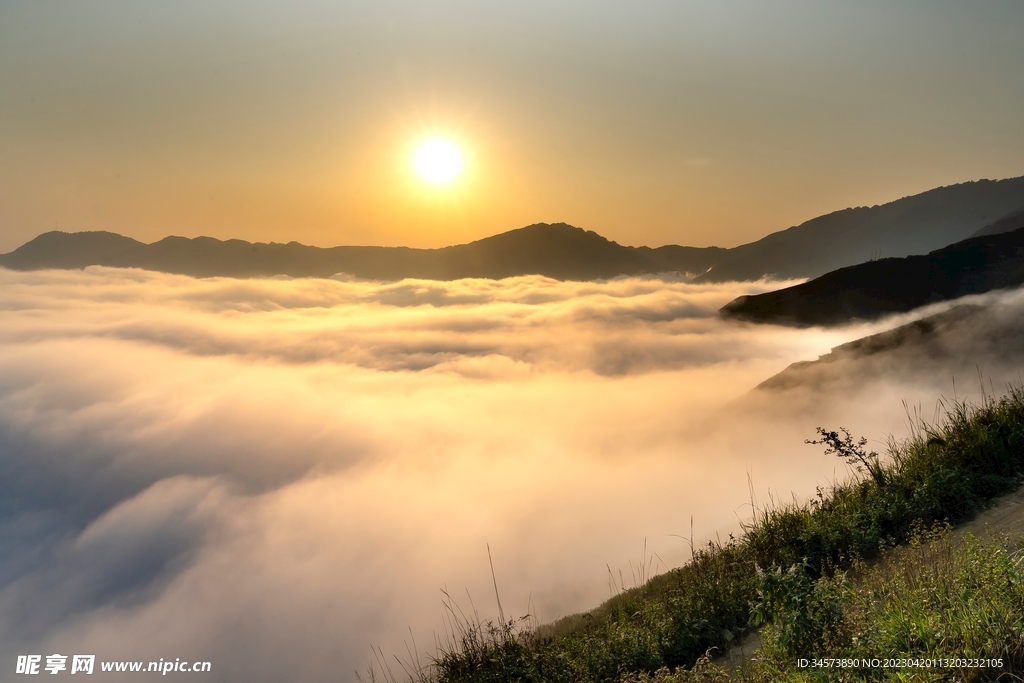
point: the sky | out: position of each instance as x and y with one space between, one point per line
276 475
699 123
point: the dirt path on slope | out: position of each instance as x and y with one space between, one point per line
1005 516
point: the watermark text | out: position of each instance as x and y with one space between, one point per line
33 665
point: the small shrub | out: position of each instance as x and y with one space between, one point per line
852 453
803 614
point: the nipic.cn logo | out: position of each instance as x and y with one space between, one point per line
32 665
55 663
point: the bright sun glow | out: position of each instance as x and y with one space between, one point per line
438 161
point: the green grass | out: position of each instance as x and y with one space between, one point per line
787 571
938 599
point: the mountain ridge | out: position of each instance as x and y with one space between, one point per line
910 225
915 224
555 250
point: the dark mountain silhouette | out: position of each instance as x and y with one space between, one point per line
555 250
892 285
912 225
907 226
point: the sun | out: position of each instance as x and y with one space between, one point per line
438 161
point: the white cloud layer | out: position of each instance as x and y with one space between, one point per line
273 475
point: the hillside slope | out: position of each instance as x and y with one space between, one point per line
873 289
912 225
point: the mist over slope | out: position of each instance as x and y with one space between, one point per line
911 225
954 351
974 342
1008 223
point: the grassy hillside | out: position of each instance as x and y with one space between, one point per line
787 572
939 609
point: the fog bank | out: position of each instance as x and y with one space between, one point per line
274 474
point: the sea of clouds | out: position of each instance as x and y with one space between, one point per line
274 475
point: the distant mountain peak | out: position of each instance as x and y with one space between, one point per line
557 250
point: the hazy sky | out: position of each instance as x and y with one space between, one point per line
650 122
